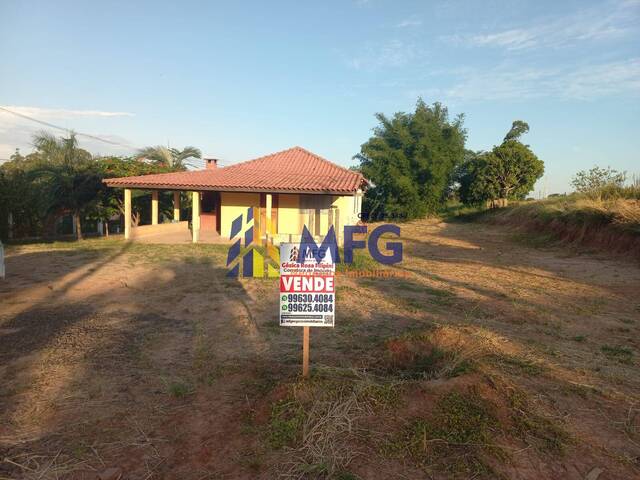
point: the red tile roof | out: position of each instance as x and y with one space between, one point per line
292 170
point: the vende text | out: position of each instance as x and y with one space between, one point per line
291 283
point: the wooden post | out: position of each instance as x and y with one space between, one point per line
305 352
195 216
127 213
176 206
154 207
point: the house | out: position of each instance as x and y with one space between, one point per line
288 190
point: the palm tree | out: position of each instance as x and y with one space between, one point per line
68 174
170 157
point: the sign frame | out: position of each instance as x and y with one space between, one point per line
307 289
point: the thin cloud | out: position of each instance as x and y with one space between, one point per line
394 53
606 21
581 82
409 22
17 132
60 113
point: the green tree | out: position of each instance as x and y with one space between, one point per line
410 160
508 171
23 201
518 128
170 157
593 182
68 173
17 156
110 202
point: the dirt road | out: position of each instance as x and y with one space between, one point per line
145 361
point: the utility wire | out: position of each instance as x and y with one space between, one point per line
94 137
51 125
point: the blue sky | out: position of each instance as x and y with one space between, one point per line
243 79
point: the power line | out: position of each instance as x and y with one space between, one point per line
94 137
51 125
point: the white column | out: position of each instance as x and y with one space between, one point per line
268 226
176 206
154 207
195 216
127 213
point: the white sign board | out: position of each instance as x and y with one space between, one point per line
307 289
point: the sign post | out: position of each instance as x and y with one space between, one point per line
307 293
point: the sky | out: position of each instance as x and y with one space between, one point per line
244 79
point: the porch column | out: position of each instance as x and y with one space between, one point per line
127 213
154 207
176 206
269 203
195 216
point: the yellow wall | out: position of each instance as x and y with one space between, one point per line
232 205
347 205
290 219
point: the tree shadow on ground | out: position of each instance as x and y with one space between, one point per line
82 363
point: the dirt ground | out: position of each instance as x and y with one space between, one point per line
144 361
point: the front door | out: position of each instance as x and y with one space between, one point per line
210 215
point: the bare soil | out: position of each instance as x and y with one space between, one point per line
144 361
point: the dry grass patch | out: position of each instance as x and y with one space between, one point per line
319 423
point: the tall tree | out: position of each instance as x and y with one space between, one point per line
71 180
23 206
170 157
410 159
508 171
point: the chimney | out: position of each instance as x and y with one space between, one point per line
211 163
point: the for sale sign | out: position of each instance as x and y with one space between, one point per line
307 288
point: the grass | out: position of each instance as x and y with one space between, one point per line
318 420
137 253
618 352
519 365
440 352
441 425
609 222
545 434
361 261
460 419
285 425
456 438
180 389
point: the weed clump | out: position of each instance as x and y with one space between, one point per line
621 353
180 390
545 434
285 425
319 420
457 438
441 353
